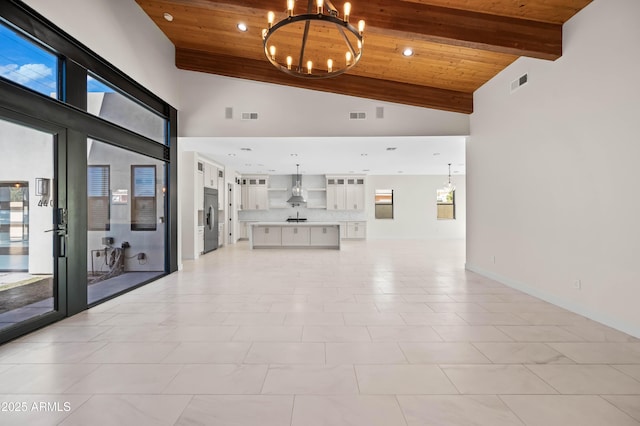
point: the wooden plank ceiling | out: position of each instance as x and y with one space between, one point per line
459 44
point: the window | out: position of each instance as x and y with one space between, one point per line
384 203
28 64
446 201
105 101
143 205
98 207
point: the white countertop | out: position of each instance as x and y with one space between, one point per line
294 224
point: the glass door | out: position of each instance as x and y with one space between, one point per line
126 220
32 227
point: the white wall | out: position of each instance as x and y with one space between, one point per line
120 32
27 154
552 171
288 111
414 208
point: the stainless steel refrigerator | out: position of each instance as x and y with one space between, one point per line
210 219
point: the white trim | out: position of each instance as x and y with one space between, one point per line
577 308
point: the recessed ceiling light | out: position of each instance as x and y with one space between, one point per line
407 52
294 155
391 148
245 149
168 16
435 154
232 155
242 27
366 170
363 155
272 170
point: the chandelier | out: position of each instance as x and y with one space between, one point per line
315 44
449 186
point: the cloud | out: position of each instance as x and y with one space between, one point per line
26 73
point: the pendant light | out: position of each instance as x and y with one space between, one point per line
448 186
296 192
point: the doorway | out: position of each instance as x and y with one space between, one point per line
32 225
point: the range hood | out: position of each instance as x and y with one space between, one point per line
296 192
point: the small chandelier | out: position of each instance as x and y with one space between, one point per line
316 44
448 186
297 196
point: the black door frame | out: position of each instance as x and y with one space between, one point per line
60 247
68 114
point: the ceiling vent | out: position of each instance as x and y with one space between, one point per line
357 116
379 112
519 82
228 113
249 115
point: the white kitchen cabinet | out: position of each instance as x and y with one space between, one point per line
355 194
199 196
336 193
255 193
221 190
200 239
295 236
267 236
210 176
323 236
356 230
220 234
244 229
343 230
345 193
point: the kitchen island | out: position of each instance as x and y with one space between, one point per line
295 235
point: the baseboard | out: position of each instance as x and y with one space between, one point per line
577 308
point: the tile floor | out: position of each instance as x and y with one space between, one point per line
378 333
96 292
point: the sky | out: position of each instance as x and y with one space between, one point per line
24 62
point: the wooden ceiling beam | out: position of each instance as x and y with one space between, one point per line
464 28
438 24
345 84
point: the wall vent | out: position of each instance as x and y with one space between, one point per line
519 82
357 116
379 112
228 113
249 115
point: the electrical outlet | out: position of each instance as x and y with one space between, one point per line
577 284
142 256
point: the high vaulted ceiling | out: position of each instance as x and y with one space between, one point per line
459 44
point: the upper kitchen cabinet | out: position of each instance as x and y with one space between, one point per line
336 193
345 193
221 190
355 194
210 176
255 193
